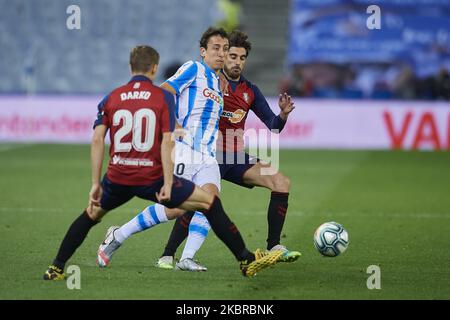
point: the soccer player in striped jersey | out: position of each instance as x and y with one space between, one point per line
140 120
242 97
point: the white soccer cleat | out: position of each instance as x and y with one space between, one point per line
107 248
287 256
279 247
165 262
190 265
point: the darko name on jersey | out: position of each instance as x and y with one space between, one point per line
135 95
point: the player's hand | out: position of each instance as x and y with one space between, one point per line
164 194
178 134
223 83
286 105
95 195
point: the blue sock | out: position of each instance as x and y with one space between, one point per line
198 230
148 218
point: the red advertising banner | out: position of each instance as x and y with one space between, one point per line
332 124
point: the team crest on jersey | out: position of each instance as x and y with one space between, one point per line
246 97
234 117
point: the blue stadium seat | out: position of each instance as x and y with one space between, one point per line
381 94
351 94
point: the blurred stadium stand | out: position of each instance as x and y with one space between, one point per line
310 48
266 23
333 54
40 55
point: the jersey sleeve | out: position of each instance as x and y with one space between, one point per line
103 112
168 113
263 111
183 77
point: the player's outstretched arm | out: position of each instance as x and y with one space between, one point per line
167 146
97 154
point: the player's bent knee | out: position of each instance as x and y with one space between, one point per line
174 213
96 213
280 183
211 189
199 200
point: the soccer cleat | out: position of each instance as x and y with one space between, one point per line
263 259
107 248
287 256
54 273
165 262
189 264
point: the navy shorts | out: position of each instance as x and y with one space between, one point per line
234 165
114 195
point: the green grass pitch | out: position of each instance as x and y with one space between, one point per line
395 206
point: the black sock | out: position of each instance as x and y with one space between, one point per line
275 217
73 239
227 231
179 232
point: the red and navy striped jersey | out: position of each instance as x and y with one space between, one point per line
243 96
136 114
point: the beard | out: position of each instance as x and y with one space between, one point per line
233 73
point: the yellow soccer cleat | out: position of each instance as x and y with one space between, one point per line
289 256
54 273
263 259
165 262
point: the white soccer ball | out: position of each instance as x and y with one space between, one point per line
331 239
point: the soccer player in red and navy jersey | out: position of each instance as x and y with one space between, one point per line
140 120
242 97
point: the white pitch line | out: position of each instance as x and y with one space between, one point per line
8 147
6 209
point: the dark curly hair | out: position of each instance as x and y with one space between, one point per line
211 32
240 39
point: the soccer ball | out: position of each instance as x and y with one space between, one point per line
331 239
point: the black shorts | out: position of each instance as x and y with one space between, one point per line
114 195
234 165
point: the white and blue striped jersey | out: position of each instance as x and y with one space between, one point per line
199 105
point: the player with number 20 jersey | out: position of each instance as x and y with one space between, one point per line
137 114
